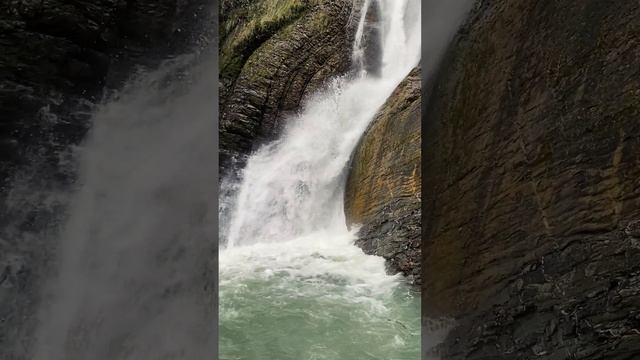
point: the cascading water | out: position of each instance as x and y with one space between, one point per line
292 284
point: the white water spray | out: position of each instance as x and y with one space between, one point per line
292 283
358 55
293 187
134 255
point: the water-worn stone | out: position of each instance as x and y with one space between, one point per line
531 183
383 188
271 57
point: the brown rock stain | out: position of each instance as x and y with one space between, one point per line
383 191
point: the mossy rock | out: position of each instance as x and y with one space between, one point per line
273 54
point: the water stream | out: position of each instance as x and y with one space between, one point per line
292 284
132 276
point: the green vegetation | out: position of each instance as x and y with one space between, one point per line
320 22
245 26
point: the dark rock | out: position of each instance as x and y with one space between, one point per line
383 185
12 272
372 39
270 61
56 58
531 153
633 230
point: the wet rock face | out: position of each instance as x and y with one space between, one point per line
383 185
531 183
271 57
372 39
56 58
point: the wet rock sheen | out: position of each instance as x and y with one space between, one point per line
383 186
532 183
270 60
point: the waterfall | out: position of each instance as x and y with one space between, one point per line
292 283
139 241
358 53
294 186
136 251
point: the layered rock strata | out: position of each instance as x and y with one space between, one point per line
272 55
383 191
531 190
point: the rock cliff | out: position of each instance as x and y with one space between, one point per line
273 54
383 185
531 183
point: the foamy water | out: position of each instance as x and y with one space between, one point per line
292 283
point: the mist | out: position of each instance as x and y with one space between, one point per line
440 22
136 261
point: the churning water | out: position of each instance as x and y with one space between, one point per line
292 284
